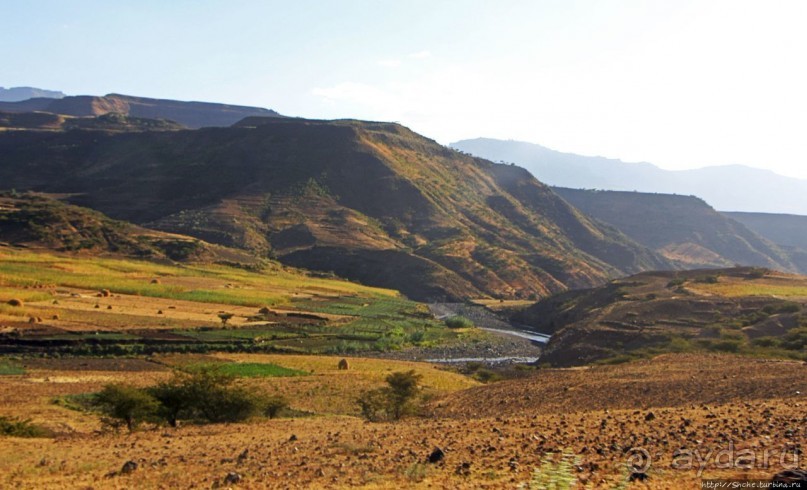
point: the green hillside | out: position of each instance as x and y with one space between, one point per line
373 202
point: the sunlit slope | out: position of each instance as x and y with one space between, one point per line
372 202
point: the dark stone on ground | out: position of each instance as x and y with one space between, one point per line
437 455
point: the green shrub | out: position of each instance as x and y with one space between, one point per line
678 281
757 273
205 393
795 339
393 401
374 404
10 368
486 375
274 405
127 403
458 322
787 307
766 342
14 427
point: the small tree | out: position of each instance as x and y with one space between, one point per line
392 401
225 317
404 389
206 393
128 403
173 398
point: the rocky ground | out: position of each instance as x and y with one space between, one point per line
660 424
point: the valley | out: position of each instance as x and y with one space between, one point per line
198 295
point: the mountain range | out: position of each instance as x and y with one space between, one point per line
372 202
369 201
188 114
16 94
726 188
683 229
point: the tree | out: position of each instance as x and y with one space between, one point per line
206 393
392 401
128 403
225 317
404 388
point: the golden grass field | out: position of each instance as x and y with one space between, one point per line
777 284
493 436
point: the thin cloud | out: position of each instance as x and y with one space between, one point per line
420 55
390 63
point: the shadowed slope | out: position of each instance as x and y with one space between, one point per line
373 201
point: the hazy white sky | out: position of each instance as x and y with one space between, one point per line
678 83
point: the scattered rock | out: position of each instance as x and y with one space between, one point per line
105 293
233 478
797 475
15 302
463 469
155 281
638 476
243 456
293 438
109 307
437 455
159 312
128 467
650 417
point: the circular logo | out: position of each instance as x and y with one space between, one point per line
639 459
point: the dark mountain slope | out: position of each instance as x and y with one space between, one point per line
684 229
782 229
789 231
112 121
371 201
189 114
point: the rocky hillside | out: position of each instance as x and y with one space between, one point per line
39 221
742 310
112 121
188 114
372 202
684 229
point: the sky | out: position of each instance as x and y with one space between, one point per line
681 84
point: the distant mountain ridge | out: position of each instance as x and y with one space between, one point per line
683 229
789 231
190 114
368 201
726 188
783 229
16 94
